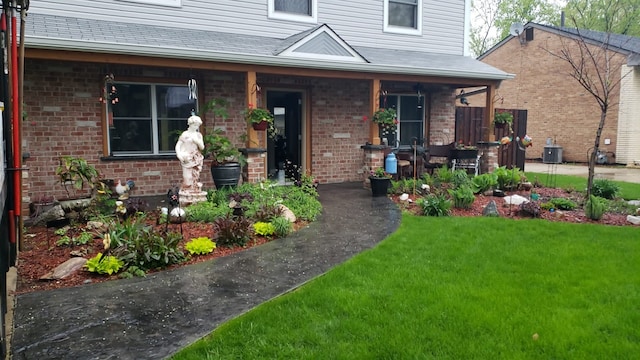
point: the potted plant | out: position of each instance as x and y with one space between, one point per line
387 120
226 159
259 118
502 118
462 151
76 172
380 182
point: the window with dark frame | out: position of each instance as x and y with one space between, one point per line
410 111
148 118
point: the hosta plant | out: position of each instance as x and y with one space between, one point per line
104 265
264 228
200 246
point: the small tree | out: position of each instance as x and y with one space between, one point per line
593 66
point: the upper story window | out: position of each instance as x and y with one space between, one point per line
174 3
294 10
148 118
403 16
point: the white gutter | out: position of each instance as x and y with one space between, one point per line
35 42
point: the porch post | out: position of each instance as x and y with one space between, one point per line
374 134
252 99
487 128
256 168
488 146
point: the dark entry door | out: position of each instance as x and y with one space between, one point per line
286 106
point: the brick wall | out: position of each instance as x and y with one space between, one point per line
558 107
442 118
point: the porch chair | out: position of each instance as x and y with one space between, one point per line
436 156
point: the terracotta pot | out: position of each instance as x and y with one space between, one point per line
261 126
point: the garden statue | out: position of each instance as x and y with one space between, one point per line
188 150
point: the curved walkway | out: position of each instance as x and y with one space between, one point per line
154 317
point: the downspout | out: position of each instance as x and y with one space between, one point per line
15 107
6 118
23 16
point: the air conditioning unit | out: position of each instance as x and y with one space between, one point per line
552 154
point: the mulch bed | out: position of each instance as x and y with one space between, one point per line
40 254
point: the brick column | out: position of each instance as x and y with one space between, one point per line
373 157
489 156
254 170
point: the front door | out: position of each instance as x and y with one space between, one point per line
285 151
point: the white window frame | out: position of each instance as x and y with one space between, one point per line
313 18
402 29
172 3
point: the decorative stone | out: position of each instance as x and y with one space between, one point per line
55 213
634 202
491 209
404 197
515 200
635 220
96 225
287 213
79 253
65 269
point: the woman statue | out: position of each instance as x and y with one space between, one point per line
188 149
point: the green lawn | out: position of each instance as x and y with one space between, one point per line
628 191
457 288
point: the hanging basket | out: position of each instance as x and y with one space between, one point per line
261 126
500 125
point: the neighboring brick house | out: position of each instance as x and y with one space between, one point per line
558 107
325 64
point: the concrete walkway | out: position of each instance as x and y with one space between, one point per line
154 317
628 174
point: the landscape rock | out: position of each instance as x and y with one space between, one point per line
47 216
515 200
65 269
635 220
491 209
96 225
287 213
634 202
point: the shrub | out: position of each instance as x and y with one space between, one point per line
595 207
138 244
406 186
460 178
282 226
264 228
104 265
443 175
563 203
206 211
530 208
435 205
605 188
484 182
463 197
508 178
232 231
200 246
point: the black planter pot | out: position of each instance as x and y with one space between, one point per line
226 174
379 186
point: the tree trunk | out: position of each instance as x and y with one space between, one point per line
594 153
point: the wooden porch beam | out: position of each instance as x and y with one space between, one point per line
487 134
252 100
114 59
374 100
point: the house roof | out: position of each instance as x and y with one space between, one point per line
625 44
100 36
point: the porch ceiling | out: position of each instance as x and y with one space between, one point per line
50 33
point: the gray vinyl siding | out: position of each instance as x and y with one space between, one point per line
359 22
